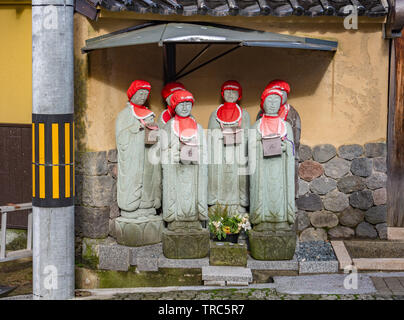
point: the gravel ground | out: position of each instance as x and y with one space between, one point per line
315 251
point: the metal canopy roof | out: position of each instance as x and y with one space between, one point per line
190 33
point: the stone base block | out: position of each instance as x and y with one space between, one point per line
185 245
227 254
272 245
140 231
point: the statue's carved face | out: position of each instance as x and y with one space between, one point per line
230 95
272 104
183 109
140 97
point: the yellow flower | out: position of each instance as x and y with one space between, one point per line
226 230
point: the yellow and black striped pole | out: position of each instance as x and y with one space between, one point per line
52 160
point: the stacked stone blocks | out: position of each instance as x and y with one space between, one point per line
96 205
342 192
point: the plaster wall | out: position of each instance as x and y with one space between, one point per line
341 97
15 63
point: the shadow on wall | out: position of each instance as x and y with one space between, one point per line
114 69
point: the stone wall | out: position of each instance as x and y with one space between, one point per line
342 192
95 204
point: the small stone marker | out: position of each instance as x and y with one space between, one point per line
216 275
228 254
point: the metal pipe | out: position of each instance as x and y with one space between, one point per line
52 98
207 62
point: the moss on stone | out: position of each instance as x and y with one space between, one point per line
134 278
227 254
90 255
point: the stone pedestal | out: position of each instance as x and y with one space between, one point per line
139 231
185 245
227 254
272 245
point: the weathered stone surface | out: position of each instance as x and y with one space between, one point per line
341 232
146 258
379 164
114 210
114 257
382 230
350 151
92 163
361 199
140 231
90 250
362 167
309 202
376 214
376 180
323 219
336 201
185 245
112 155
303 220
350 184
309 170
227 254
304 187
313 267
373 150
223 273
311 234
113 170
111 228
279 245
351 217
305 153
380 196
336 168
324 152
272 266
97 191
366 230
322 185
92 222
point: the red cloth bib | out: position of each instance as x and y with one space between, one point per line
141 112
272 126
185 128
229 113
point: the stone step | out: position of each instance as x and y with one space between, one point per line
223 275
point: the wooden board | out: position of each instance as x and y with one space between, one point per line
15 170
395 137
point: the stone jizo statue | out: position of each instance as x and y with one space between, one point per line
228 135
166 93
272 188
284 87
184 182
139 177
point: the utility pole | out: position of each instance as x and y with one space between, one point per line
53 149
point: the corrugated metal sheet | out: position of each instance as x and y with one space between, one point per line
204 33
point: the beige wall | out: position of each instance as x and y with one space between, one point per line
341 97
15 62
